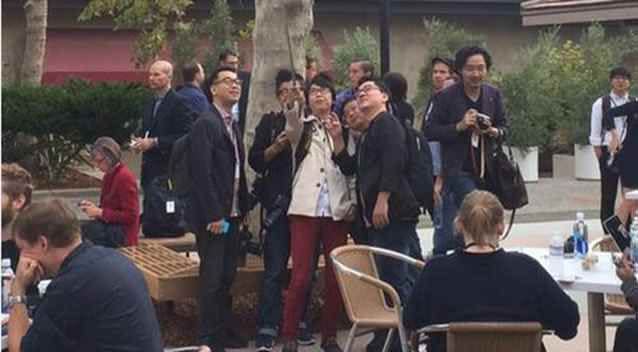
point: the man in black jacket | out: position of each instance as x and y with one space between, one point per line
626 339
166 118
217 204
457 121
386 202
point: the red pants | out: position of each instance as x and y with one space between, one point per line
305 235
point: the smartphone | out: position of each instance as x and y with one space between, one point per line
618 232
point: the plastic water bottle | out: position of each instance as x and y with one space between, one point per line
556 259
7 275
633 235
580 234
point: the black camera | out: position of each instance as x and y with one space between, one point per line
256 193
246 243
483 121
279 208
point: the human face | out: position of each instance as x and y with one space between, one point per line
99 161
288 90
311 71
201 75
232 61
320 100
9 211
40 252
158 77
355 73
620 85
226 89
474 71
354 117
440 73
370 97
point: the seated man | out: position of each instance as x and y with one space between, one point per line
627 333
97 299
483 282
118 214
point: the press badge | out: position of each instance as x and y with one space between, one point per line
170 207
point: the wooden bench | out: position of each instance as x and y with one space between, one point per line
171 276
185 243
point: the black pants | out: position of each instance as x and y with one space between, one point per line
626 339
608 188
218 256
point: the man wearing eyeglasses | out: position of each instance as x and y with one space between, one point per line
217 204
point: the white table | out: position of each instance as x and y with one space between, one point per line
597 282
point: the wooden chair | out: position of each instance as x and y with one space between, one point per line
615 304
488 336
364 294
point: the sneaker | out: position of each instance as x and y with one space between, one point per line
264 343
289 346
331 345
304 337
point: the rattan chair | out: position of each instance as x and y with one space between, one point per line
615 304
364 294
488 336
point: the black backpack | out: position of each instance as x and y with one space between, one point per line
419 166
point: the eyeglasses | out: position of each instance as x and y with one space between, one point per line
315 91
288 90
229 81
366 89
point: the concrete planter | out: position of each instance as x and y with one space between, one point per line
133 161
585 163
563 166
527 162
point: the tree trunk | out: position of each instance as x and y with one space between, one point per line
270 54
36 37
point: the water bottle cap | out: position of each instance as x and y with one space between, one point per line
557 240
580 216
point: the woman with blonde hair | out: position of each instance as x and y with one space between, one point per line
483 282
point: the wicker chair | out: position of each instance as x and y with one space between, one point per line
488 336
364 293
614 304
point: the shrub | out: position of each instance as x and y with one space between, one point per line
358 45
62 120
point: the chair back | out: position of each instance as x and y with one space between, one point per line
494 337
362 299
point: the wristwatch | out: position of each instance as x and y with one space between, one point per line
13 300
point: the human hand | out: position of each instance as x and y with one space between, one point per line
28 272
333 126
282 140
491 131
625 269
598 151
614 143
469 120
90 209
143 144
216 227
380 214
438 190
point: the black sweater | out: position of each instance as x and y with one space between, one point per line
498 286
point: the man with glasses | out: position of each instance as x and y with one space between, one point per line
217 205
231 58
271 157
467 138
389 209
620 80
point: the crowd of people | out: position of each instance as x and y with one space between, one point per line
331 165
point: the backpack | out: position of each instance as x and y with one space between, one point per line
164 211
419 166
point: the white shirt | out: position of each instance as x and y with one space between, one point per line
597 136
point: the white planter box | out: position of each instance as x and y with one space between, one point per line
527 162
585 163
563 166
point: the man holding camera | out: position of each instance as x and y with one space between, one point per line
271 157
468 119
626 339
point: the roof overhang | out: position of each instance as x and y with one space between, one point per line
548 12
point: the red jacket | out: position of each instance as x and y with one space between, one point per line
120 201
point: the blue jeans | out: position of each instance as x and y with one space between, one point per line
460 186
443 220
399 237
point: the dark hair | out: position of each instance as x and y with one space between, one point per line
52 219
189 71
284 76
619 71
225 54
17 181
445 61
397 85
366 66
310 61
465 53
324 81
342 113
212 78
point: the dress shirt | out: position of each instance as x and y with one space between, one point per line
598 137
228 122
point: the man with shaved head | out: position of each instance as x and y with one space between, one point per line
166 118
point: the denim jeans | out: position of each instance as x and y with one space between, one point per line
460 186
398 237
443 220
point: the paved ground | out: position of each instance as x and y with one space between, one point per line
552 208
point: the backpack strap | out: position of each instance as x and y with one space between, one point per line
304 145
